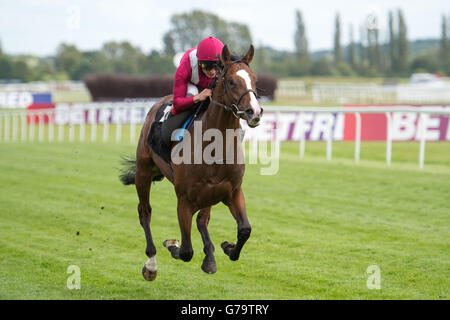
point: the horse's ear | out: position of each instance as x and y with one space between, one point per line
225 57
249 55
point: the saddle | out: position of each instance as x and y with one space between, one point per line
159 137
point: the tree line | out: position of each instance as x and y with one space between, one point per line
367 56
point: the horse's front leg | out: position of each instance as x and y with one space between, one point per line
237 208
209 263
185 252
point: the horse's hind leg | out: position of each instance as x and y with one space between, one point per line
143 182
237 209
209 263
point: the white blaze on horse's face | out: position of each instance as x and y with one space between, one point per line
253 121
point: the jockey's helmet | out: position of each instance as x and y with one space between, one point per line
209 49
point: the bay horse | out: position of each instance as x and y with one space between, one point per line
200 186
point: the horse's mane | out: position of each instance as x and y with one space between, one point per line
235 57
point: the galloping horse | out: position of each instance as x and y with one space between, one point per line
199 186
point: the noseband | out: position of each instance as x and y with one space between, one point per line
234 106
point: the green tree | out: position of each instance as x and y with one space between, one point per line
301 42
337 40
402 44
158 63
362 49
261 62
352 50
444 50
123 57
68 59
374 48
444 38
188 29
169 45
323 67
425 63
302 64
20 70
392 44
5 67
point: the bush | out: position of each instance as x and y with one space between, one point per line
345 70
425 63
266 85
323 67
117 87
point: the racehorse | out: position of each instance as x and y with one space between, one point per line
200 186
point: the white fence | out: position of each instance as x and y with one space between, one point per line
357 111
43 86
373 93
80 120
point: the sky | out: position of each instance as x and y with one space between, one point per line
39 26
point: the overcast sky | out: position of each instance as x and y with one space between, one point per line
38 26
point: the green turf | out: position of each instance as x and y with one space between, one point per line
317 227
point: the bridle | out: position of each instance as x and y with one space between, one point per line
234 106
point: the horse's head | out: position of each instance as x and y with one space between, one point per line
239 90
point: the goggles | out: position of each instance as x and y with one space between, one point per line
208 65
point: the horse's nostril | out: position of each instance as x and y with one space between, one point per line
249 111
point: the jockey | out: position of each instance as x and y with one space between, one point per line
197 70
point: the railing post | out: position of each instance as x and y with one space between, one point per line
422 127
71 126
82 125
330 138
41 126
31 126
105 124
277 129
302 136
118 127
23 124
132 126
94 120
15 123
357 136
6 135
51 126
388 138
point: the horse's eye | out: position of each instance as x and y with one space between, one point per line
231 82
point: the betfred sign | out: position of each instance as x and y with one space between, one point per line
285 126
22 99
90 113
101 113
405 126
291 126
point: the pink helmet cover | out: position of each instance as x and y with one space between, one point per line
209 49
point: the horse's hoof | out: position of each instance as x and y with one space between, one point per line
171 243
209 266
186 256
227 247
149 275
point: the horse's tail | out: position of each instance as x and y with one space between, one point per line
128 170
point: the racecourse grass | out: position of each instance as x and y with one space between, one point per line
317 226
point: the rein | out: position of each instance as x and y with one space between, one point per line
234 106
